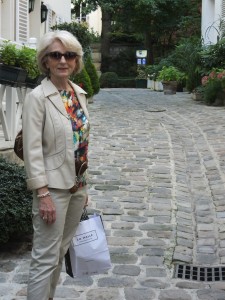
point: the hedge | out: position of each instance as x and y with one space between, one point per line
15 202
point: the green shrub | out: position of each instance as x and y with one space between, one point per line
91 70
15 202
108 80
83 80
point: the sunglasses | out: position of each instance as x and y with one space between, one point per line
58 55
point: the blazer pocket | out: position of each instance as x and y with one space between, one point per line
54 161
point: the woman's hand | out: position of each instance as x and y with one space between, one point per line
47 210
46 206
86 202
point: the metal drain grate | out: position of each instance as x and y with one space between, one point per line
199 273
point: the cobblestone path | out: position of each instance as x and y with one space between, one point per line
157 175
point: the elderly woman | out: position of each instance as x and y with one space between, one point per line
55 136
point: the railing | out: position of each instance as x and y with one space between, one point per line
11 102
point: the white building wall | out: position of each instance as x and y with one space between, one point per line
94 20
62 8
211 16
7 19
60 12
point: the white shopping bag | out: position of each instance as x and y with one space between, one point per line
88 253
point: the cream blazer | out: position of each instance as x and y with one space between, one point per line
48 137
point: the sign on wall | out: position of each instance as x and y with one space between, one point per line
141 57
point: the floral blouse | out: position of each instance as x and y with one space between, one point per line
80 126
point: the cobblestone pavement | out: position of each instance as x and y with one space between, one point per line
157 175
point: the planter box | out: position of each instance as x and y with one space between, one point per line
12 76
32 83
169 87
141 83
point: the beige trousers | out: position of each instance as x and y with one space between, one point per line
50 242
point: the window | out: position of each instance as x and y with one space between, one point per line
22 21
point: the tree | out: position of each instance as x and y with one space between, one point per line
91 70
83 80
108 9
159 23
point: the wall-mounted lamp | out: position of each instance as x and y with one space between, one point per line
31 5
44 12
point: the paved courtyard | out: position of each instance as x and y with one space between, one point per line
157 175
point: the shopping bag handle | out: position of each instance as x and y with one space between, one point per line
84 215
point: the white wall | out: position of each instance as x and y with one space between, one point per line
61 7
60 10
211 15
94 21
7 19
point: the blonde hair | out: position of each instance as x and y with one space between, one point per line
69 41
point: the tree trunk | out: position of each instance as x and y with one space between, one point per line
148 43
105 40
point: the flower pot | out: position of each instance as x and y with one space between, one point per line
12 76
141 83
158 86
150 84
197 96
169 87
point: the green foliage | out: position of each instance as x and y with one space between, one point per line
141 73
93 75
152 71
213 56
8 53
214 87
170 74
187 58
108 80
124 64
83 80
27 60
211 91
24 58
80 31
15 202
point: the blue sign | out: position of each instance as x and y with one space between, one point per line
141 61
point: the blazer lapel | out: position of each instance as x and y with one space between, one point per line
51 92
81 98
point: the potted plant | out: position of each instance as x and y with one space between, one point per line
11 73
214 87
170 76
141 78
27 60
198 93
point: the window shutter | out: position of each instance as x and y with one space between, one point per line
22 24
59 20
223 17
223 10
50 19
